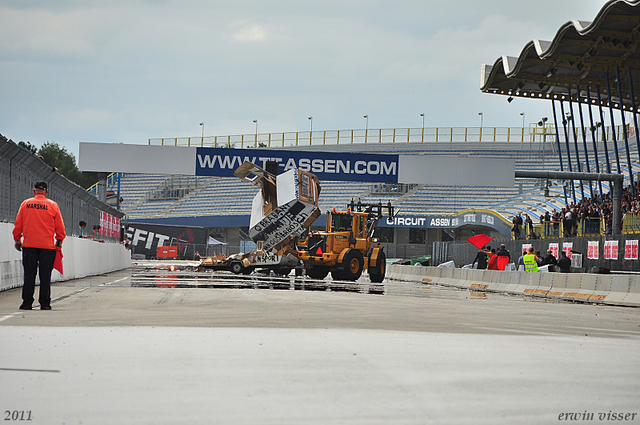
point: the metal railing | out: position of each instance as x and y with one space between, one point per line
631 223
529 134
111 179
583 228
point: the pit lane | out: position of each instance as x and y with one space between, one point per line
186 275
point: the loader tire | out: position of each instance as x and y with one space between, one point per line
377 273
318 272
353 265
337 275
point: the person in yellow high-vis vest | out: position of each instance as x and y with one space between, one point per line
530 261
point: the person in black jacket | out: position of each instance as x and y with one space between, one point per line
481 258
550 261
564 263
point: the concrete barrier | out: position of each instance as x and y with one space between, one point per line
633 297
602 286
505 281
446 274
522 282
589 285
392 272
531 283
605 289
511 283
416 273
559 285
572 291
467 278
81 258
538 284
494 282
546 283
430 273
489 279
620 285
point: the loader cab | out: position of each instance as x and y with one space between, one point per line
340 222
353 223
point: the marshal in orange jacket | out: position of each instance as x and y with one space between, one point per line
38 220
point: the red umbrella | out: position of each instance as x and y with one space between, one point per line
479 240
57 263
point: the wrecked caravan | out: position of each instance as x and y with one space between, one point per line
283 209
286 205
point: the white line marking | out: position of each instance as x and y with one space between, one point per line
115 281
17 313
10 316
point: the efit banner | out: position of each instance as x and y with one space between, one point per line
147 238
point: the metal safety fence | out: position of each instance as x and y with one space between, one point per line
20 170
581 227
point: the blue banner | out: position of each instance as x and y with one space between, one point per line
335 166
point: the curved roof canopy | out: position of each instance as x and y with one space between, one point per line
582 55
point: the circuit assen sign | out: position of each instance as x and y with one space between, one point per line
449 221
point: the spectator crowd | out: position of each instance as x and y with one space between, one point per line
592 210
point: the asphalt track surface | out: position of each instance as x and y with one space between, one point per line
147 346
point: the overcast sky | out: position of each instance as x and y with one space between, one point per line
126 71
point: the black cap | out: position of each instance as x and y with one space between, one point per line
40 185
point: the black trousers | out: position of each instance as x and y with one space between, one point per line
34 261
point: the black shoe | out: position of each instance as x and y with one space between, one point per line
25 306
45 307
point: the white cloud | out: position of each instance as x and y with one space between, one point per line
251 32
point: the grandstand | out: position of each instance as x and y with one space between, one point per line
226 202
230 196
142 194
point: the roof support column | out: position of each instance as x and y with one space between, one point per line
633 107
566 139
555 122
584 140
624 132
604 133
613 125
575 138
594 140
616 220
